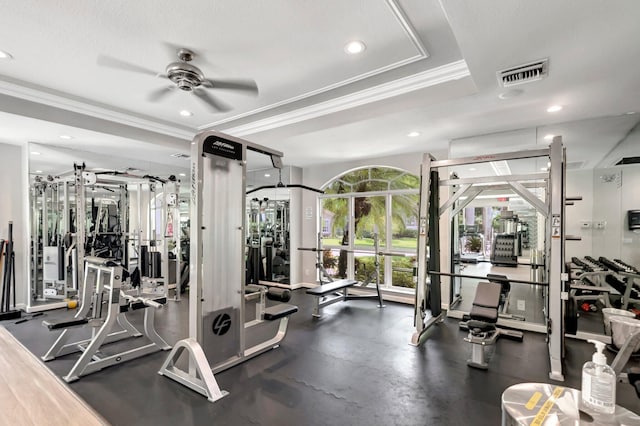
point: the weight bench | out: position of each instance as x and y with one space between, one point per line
482 323
333 287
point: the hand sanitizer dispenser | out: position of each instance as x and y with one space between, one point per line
599 382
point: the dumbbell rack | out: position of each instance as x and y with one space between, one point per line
623 280
618 274
503 250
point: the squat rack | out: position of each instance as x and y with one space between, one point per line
552 208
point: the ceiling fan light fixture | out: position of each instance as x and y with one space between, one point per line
355 47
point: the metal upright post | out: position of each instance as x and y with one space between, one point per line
81 221
555 238
428 250
123 209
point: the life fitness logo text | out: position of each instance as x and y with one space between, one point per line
223 145
221 324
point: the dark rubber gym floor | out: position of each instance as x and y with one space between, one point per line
353 367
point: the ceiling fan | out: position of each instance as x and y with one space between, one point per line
186 77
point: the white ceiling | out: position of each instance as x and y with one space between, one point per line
430 66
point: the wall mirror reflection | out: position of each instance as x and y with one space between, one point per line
88 204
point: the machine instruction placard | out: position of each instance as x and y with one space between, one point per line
555 226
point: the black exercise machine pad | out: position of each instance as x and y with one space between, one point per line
279 311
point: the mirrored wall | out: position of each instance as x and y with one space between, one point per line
84 203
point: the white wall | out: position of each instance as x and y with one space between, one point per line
615 191
630 200
14 207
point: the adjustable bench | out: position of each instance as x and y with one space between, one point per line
330 288
482 323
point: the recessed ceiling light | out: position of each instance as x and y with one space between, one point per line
182 174
548 137
66 137
544 169
35 152
413 134
630 113
472 169
5 55
267 175
186 113
38 171
554 108
355 47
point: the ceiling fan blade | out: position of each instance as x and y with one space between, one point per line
246 85
213 103
158 94
108 61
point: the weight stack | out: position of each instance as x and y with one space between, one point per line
144 261
155 264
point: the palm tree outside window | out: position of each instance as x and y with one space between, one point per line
361 204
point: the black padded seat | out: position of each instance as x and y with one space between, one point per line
56 325
279 311
331 287
500 279
480 313
486 302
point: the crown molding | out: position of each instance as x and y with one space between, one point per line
449 72
44 96
402 19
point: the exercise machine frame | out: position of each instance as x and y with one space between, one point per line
104 278
71 192
552 209
222 331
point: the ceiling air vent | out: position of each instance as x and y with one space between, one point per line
628 160
180 155
522 74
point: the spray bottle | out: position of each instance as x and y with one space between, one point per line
599 383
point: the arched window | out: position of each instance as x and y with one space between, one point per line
365 207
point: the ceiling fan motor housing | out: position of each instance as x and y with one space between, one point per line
185 76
